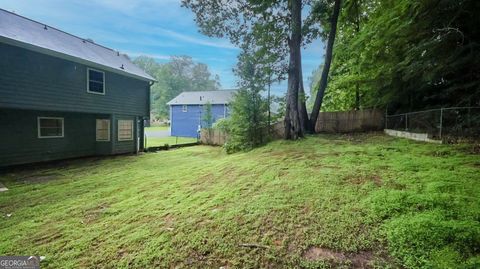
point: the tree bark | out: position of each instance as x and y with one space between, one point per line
326 68
293 126
305 122
357 29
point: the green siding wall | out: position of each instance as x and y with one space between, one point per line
120 147
20 143
30 80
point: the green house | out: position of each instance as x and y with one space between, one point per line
62 96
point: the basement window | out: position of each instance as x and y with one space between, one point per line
103 130
95 81
50 127
125 130
184 108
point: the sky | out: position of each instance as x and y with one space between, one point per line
155 28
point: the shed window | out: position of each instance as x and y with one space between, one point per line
49 127
184 108
96 81
125 130
103 130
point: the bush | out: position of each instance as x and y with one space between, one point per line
247 125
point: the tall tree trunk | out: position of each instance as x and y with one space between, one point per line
269 118
301 102
293 126
357 29
326 68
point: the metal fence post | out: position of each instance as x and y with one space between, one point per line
441 123
406 122
386 118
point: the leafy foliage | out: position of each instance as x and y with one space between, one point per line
174 77
207 116
274 31
406 55
248 123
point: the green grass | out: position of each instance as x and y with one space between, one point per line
157 128
365 198
171 140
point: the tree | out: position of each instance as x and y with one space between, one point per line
207 120
406 55
326 67
247 125
274 27
207 116
180 74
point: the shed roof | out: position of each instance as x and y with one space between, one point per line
23 32
203 97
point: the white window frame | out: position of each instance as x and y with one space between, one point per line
184 108
39 133
118 131
96 131
88 81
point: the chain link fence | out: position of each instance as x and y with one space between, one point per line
444 124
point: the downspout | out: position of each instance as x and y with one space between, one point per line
171 122
150 84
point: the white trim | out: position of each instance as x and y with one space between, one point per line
96 131
51 118
118 131
88 81
184 108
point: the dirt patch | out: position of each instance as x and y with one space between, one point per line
121 253
169 222
377 180
93 214
362 259
316 253
359 179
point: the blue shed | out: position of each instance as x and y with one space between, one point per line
187 109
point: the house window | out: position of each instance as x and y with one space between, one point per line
184 108
95 81
103 130
49 127
125 130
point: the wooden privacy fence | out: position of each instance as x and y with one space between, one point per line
217 137
350 121
213 137
327 122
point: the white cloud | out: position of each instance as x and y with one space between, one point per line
200 41
151 55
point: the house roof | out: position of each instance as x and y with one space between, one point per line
201 98
23 32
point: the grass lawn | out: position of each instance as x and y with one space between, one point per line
157 128
171 140
323 202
